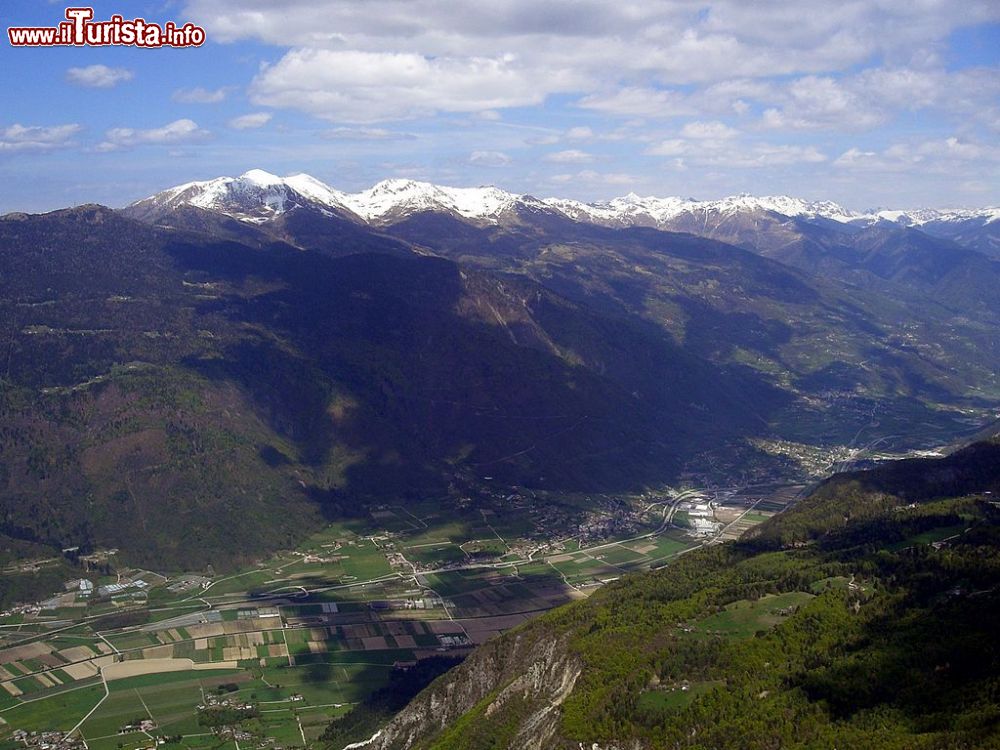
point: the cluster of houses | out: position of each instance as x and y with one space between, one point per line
48 740
212 701
32 608
139 725
234 733
598 527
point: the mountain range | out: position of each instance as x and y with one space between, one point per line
251 356
258 195
638 258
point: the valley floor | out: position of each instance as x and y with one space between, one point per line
302 637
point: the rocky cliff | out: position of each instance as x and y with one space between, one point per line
527 675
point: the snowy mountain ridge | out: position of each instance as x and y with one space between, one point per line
257 195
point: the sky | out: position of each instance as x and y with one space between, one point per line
869 103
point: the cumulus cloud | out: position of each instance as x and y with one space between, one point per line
489 158
250 121
727 38
37 137
199 95
714 130
815 102
772 61
362 87
635 101
98 76
179 131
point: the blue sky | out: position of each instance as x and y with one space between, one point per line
883 103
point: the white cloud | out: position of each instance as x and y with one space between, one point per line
98 76
199 95
855 157
670 41
671 147
37 138
250 121
640 102
814 102
579 133
371 86
569 156
875 96
784 64
714 130
489 158
179 131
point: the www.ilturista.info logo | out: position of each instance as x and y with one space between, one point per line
80 30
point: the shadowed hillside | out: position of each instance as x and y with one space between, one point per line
191 399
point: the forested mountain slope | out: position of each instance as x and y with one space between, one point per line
865 618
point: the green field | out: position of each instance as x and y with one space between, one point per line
169 699
56 711
673 698
930 536
744 618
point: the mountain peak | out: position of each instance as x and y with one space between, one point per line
399 184
261 178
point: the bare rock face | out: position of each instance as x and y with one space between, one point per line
526 670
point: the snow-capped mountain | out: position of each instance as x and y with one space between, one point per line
921 216
633 209
254 196
257 196
395 198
